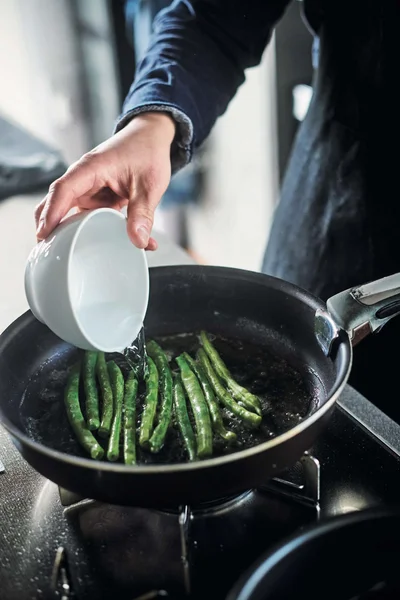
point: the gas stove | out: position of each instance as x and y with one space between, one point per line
54 544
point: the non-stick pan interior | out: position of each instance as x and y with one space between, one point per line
286 399
259 316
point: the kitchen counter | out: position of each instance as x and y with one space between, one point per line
16 241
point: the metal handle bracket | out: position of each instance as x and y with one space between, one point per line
358 312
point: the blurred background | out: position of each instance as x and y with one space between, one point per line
65 68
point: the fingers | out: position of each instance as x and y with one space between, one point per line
94 182
62 196
38 211
54 207
117 204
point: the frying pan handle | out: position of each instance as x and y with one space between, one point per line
359 311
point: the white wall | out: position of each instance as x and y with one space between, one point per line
39 69
231 226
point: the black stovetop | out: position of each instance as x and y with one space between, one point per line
108 551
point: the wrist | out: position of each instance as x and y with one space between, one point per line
160 122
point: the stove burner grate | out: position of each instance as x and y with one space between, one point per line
211 506
301 484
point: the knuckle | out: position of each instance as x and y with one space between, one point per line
87 161
59 184
38 209
95 158
55 186
76 167
87 158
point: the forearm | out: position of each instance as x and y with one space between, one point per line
196 62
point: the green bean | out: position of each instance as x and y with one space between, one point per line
150 404
182 418
239 393
165 386
107 396
199 408
215 413
131 386
91 394
75 416
117 386
223 395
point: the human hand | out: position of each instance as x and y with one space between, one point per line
132 168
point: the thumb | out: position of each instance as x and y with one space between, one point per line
141 216
140 222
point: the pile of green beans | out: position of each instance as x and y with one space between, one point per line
189 395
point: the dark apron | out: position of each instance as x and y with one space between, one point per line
338 220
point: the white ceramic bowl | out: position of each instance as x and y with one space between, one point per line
88 283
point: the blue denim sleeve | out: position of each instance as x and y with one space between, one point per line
196 61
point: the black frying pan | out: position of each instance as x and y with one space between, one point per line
238 304
351 557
